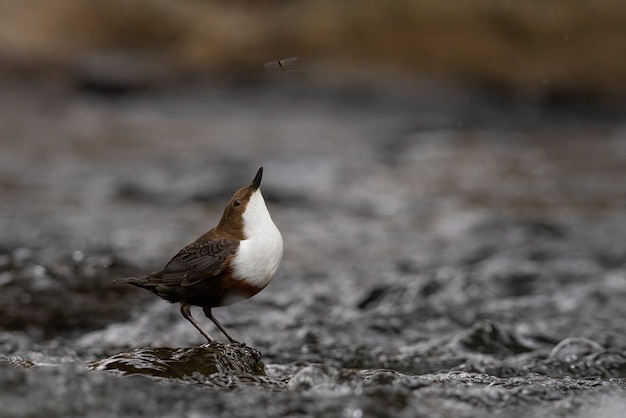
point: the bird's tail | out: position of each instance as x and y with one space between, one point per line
151 283
135 281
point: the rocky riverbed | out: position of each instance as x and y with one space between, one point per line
447 253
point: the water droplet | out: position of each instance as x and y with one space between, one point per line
78 256
39 271
307 377
353 413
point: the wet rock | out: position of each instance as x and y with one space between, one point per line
185 363
373 296
17 362
490 338
602 364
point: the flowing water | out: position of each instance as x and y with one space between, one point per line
447 253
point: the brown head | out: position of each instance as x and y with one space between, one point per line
232 222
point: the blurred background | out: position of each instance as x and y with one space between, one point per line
530 48
447 177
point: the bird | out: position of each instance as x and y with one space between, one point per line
232 262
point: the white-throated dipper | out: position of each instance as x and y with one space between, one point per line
232 262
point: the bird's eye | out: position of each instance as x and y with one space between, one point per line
237 202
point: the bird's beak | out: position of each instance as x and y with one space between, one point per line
256 183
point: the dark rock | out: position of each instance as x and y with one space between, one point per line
489 338
185 363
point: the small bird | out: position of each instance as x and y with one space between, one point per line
232 262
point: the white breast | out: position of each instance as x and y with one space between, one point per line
260 253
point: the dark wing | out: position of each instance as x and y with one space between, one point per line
198 261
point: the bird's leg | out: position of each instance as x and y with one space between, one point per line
184 309
207 312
